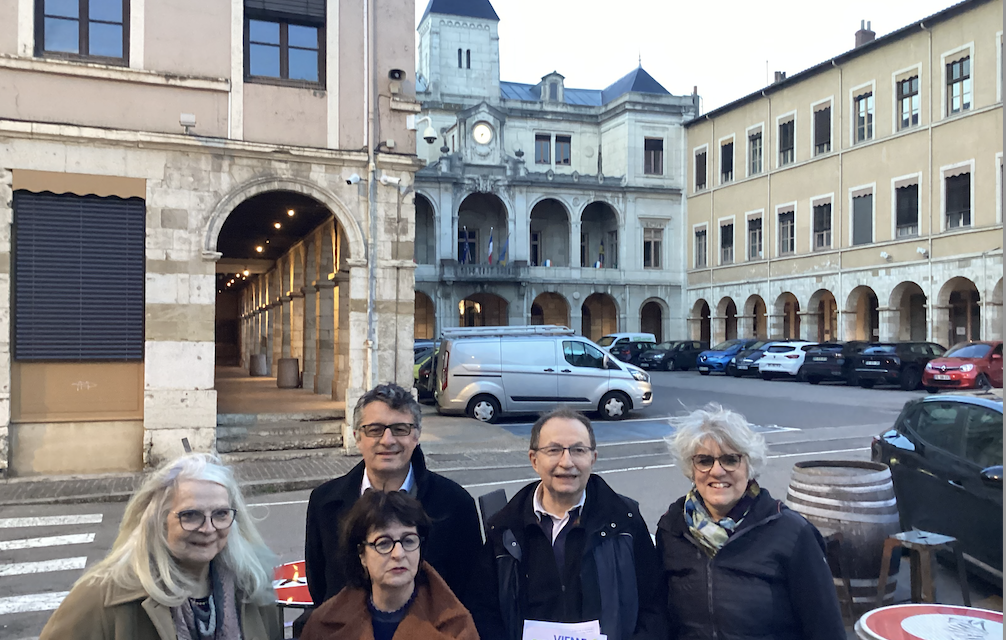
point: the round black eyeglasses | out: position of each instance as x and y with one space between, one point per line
384 544
193 520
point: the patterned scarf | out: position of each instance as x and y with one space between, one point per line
710 533
223 623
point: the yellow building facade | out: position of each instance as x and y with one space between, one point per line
859 199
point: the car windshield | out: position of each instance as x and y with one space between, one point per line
724 346
828 347
605 341
781 348
758 345
969 351
880 348
666 345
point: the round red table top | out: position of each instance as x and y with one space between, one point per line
930 622
290 583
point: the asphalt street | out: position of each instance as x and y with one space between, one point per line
44 549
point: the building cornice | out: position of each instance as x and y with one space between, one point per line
113 73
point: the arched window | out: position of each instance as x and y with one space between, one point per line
459 58
468 59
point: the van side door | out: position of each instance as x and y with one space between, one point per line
582 376
529 373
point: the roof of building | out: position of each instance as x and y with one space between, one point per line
637 80
863 49
466 8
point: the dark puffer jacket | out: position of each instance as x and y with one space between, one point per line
770 581
615 578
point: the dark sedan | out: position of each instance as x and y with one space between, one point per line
746 361
630 351
899 363
833 361
946 457
678 355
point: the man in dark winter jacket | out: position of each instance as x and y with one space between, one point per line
568 548
386 425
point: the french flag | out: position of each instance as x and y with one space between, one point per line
490 245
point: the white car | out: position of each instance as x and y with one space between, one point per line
784 359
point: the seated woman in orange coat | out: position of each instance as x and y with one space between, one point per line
391 592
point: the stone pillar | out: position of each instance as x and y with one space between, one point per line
342 365
745 328
574 245
850 326
276 318
994 321
296 294
694 328
939 326
358 381
890 319
270 336
776 325
286 335
310 368
718 326
325 347
808 325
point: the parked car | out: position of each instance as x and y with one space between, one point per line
422 372
744 362
717 358
679 355
946 454
899 363
969 365
833 361
420 345
485 372
606 342
630 351
784 359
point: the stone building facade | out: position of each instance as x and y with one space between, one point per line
859 199
135 143
579 193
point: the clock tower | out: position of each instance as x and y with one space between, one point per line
484 130
458 55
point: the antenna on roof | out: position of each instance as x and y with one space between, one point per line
640 59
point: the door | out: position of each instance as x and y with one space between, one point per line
529 374
982 534
582 377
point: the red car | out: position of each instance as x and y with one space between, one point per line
969 365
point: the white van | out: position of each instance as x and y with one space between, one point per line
624 338
487 371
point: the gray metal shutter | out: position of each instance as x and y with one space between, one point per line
314 9
78 277
862 219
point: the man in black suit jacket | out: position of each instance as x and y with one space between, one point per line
386 425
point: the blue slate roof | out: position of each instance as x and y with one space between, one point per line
466 8
636 80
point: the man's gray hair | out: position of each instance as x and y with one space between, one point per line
396 397
726 428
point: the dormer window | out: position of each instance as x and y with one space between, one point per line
552 88
553 91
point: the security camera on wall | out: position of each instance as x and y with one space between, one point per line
430 135
353 179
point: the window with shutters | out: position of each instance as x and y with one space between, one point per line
543 148
726 243
700 171
78 278
93 30
787 142
285 42
700 248
822 130
653 240
906 206
822 226
562 150
862 110
958 205
787 232
908 102
862 219
754 239
754 153
726 162
653 156
959 85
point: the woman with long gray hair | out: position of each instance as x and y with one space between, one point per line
187 564
737 562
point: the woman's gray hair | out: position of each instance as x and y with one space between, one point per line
726 428
140 558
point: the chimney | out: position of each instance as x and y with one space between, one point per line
780 76
864 34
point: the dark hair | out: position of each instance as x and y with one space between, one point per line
396 397
561 412
376 510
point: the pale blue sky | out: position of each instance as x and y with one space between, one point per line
720 46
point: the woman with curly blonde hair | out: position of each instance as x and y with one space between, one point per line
187 564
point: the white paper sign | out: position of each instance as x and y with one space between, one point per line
540 630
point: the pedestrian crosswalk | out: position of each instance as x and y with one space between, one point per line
37 571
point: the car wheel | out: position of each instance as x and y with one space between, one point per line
765 375
933 389
866 384
737 373
910 379
730 370
484 408
615 405
982 381
814 379
671 365
704 373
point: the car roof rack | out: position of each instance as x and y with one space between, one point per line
519 330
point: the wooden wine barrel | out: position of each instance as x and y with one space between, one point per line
857 499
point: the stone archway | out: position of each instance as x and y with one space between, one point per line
959 308
907 313
651 319
862 310
550 308
699 321
822 317
481 217
425 248
599 316
483 310
426 318
756 317
599 236
548 241
725 325
786 316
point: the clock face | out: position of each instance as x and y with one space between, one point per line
482 133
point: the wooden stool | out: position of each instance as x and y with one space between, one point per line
923 546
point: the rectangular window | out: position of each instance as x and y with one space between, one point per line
754 153
727 162
609 251
562 150
700 248
959 85
468 246
726 244
700 171
543 149
535 249
786 142
754 239
78 278
822 226
787 233
863 109
653 156
653 240
907 210
822 131
584 248
958 190
908 102
96 30
279 50
862 219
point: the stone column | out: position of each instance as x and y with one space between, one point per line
340 378
296 294
574 246
325 361
850 326
718 326
776 324
694 328
286 313
939 326
890 319
357 382
276 317
745 328
808 325
310 293
270 339
994 321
